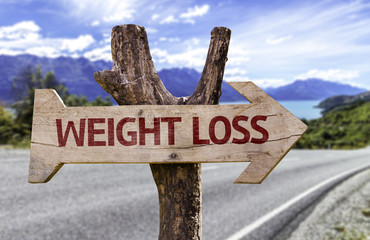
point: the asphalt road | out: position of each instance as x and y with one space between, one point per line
120 201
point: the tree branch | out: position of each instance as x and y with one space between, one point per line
133 80
208 91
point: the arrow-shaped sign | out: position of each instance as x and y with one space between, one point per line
260 133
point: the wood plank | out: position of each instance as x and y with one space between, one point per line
261 133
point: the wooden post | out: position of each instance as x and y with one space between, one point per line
133 80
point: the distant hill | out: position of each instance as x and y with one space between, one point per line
345 128
183 81
78 75
342 101
312 89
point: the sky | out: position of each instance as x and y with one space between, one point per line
272 42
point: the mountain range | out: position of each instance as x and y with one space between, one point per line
78 75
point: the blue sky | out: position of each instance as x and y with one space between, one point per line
272 42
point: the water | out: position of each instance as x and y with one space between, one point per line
301 109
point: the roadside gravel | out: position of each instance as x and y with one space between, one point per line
343 214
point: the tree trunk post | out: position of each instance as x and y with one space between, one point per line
133 80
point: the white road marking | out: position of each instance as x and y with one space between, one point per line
250 228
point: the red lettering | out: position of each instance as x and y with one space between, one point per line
171 128
110 131
91 131
212 130
155 130
79 139
240 129
132 134
196 139
255 126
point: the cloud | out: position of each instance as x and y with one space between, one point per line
103 53
77 44
192 57
164 39
321 35
195 12
270 82
155 17
102 10
10 52
95 23
151 30
24 37
169 19
44 51
273 41
330 74
21 30
120 16
234 72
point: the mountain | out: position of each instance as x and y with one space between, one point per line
78 75
183 81
345 128
342 101
312 89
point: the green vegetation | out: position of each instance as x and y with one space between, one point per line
346 128
15 128
345 233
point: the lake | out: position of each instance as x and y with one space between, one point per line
301 109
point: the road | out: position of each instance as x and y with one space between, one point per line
120 201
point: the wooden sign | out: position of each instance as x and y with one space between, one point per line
260 133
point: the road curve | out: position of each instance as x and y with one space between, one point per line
120 201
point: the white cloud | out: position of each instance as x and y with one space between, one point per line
155 17
192 58
273 41
103 53
189 20
102 10
330 74
151 30
260 82
270 82
195 12
238 55
169 19
195 41
78 44
317 36
164 39
95 23
44 51
21 30
25 37
119 16
234 72
10 52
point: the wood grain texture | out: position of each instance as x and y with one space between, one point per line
175 166
133 80
283 129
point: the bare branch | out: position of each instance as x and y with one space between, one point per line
208 91
133 79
